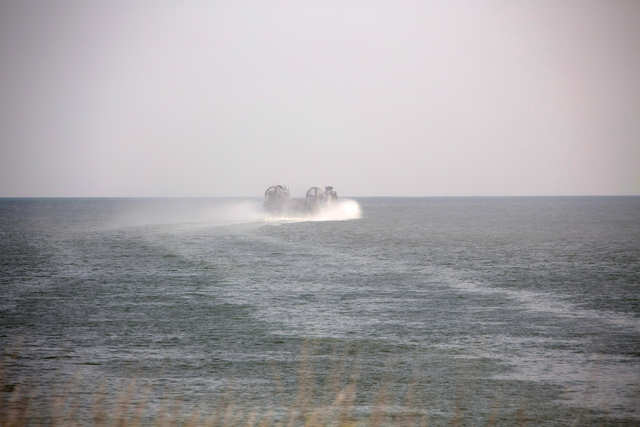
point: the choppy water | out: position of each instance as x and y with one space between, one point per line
484 305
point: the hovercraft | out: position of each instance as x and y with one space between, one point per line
278 201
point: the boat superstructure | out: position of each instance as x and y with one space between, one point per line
316 198
278 201
276 198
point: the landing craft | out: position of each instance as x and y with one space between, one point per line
277 200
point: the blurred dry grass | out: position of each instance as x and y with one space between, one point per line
328 400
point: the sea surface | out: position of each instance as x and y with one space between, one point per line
467 308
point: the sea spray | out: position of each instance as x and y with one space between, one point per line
222 212
184 212
340 210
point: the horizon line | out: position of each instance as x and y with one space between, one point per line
348 196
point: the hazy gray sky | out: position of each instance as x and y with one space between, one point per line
373 97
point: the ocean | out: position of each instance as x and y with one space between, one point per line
468 309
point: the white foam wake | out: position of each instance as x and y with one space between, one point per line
550 303
340 210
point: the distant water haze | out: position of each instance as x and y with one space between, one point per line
376 98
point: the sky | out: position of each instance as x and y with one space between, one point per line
377 98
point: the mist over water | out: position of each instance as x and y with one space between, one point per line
188 211
221 212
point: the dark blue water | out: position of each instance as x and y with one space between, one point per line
484 307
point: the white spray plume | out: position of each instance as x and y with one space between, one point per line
339 210
220 212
